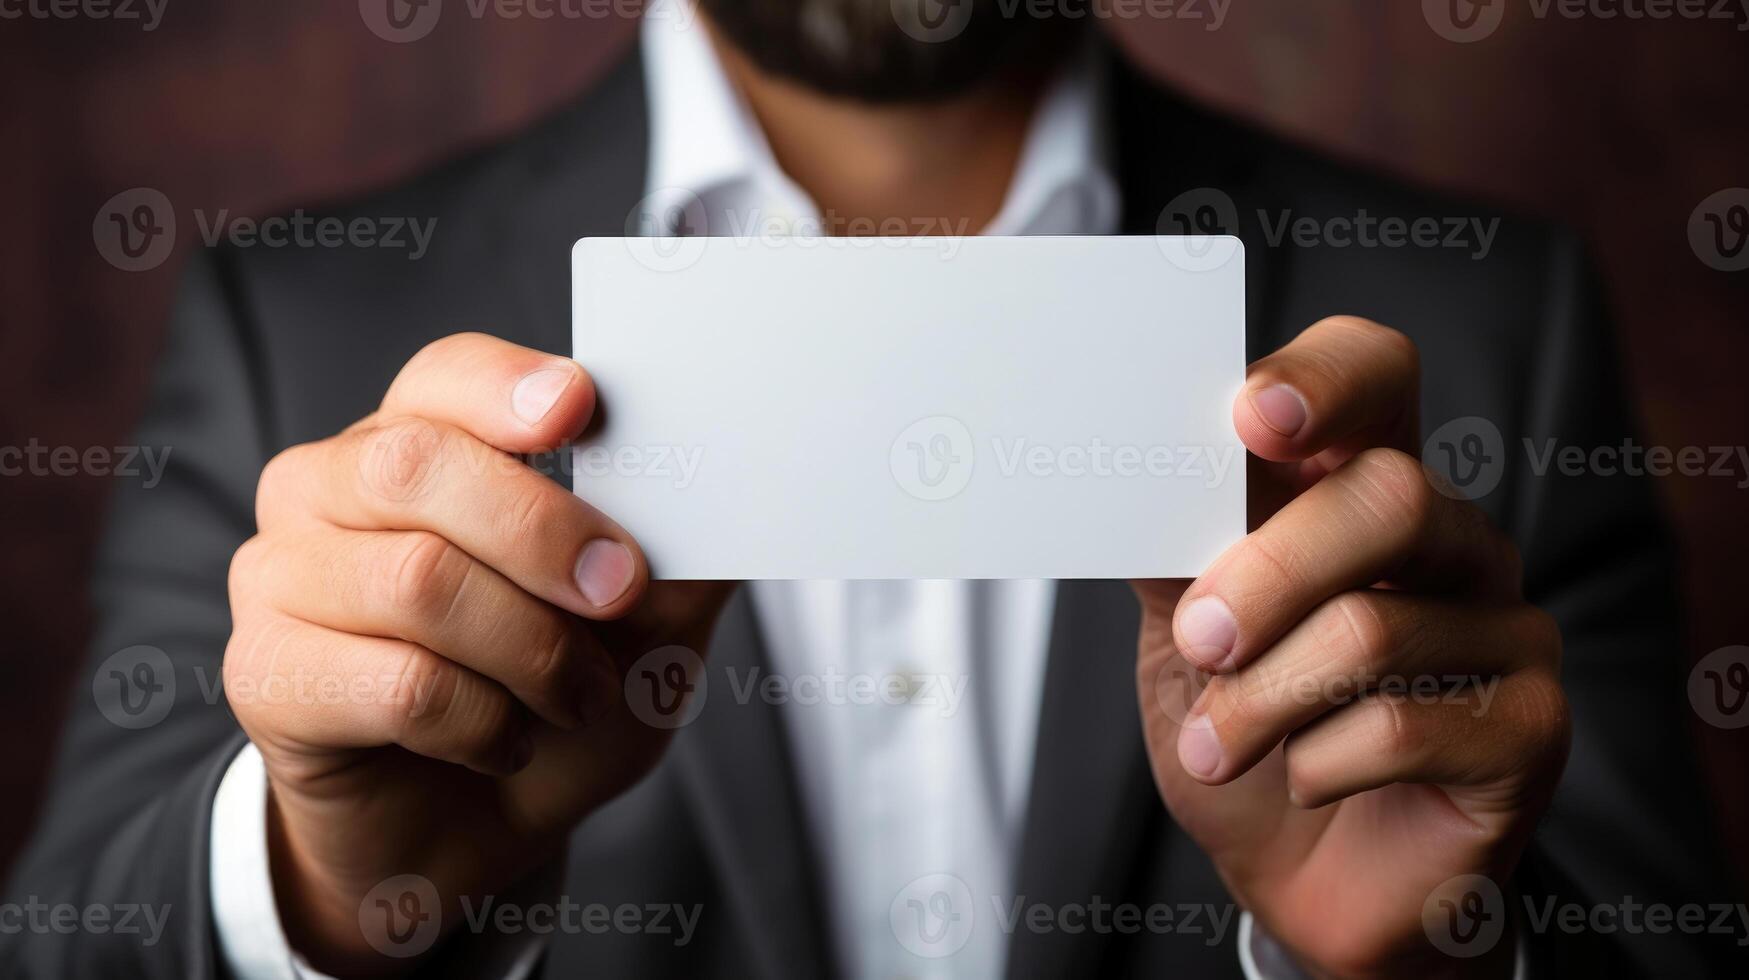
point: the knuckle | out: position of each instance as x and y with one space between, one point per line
277 478
1394 342
1349 323
464 721
241 575
1393 486
401 458
441 349
529 514
427 694
1249 700
1398 734
237 660
253 654
551 661
1359 635
1281 564
1305 785
440 712
425 575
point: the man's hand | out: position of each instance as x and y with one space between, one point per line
1354 704
429 642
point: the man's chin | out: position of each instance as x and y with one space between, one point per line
891 51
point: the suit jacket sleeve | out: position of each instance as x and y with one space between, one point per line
125 826
1630 821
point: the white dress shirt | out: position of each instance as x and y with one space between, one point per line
899 789
894 794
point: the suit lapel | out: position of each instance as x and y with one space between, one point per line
1092 803
734 762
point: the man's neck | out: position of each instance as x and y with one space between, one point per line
938 168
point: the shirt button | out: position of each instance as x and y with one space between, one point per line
902 685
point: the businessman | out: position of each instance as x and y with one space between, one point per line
432 655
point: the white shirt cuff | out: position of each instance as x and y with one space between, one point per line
1262 958
246 918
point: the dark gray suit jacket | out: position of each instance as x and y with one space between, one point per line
272 347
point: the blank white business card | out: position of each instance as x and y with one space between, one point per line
787 408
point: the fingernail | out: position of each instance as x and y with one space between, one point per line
604 571
1209 632
1199 749
1281 408
536 394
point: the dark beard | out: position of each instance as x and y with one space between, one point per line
894 51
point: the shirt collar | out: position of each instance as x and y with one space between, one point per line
703 137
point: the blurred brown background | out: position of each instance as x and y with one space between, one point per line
1618 127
